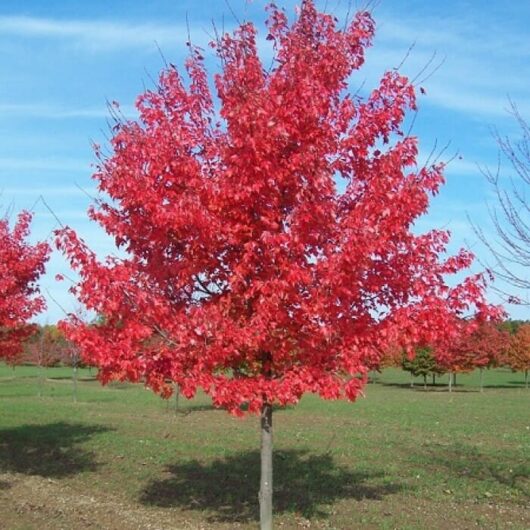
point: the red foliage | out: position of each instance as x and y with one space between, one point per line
480 345
269 244
48 347
21 265
391 357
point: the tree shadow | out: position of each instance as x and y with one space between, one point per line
513 385
84 379
18 378
227 489
468 461
438 387
406 386
187 407
50 450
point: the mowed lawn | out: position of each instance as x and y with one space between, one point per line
121 458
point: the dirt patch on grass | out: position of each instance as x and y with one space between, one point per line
33 502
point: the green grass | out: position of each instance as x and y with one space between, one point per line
398 458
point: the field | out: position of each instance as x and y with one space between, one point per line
121 458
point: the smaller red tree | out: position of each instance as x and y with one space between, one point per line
390 357
482 348
47 347
518 355
21 265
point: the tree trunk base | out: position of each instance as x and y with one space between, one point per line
265 492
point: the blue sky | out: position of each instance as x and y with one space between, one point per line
60 62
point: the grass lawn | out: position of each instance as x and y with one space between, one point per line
120 458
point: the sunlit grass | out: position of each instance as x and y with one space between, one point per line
373 463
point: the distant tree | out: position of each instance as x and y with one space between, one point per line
422 364
391 357
511 326
21 265
484 347
47 347
518 356
264 278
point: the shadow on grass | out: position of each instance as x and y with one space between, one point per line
514 385
17 378
227 489
50 450
187 408
444 387
84 379
418 387
467 461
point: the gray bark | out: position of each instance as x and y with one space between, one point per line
41 368
74 377
450 381
526 378
482 379
265 492
177 396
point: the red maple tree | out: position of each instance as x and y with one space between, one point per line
47 347
267 231
480 345
21 265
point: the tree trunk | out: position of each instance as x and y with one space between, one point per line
74 377
482 379
526 378
411 380
450 381
177 395
41 368
265 492
433 379
454 378
424 381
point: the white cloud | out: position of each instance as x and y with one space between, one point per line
482 66
43 164
54 112
94 35
59 191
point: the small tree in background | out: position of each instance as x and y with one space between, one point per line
47 347
391 357
263 278
21 265
511 326
450 357
421 364
518 355
482 348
